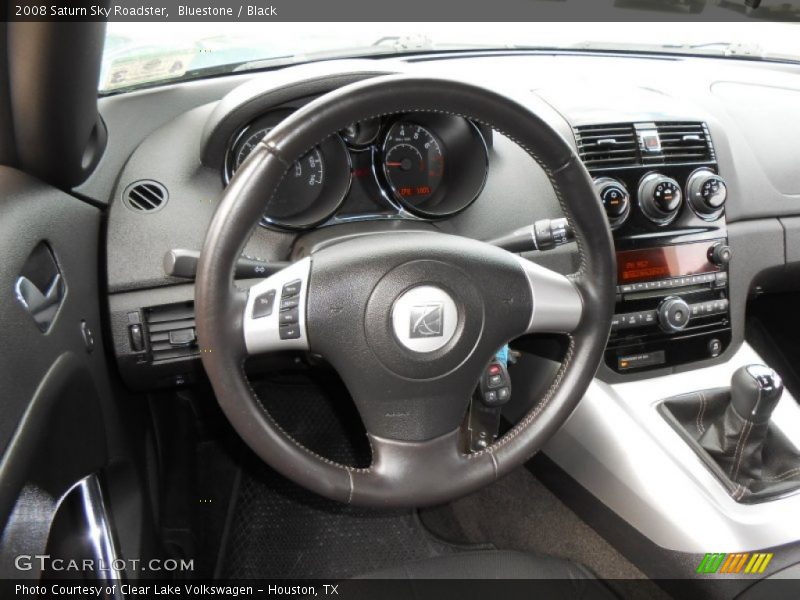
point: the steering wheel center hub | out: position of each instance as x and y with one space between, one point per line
424 318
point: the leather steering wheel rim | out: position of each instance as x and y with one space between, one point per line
420 465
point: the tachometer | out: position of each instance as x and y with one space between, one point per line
314 185
413 162
300 188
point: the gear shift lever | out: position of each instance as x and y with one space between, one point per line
755 392
737 439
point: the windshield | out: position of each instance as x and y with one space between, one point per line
140 54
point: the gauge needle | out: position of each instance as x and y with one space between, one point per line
394 164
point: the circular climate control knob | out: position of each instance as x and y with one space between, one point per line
673 314
660 198
615 198
706 192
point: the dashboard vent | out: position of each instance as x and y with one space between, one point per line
171 331
683 142
636 145
607 145
146 196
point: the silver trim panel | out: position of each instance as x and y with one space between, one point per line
557 304
618 447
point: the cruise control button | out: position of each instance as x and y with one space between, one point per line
291 289
287 303
263 305
289 332
289 317
503 393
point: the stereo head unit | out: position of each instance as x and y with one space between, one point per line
672 305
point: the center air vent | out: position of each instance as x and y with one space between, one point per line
607 145
685 142
145 195
644 144
171 332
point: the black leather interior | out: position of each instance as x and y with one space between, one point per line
754 461
499 564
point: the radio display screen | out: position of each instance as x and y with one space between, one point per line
661 263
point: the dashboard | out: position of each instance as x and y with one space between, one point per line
688 177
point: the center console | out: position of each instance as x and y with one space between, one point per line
665 201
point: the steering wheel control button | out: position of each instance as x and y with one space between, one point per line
289 317
287 303
291 289
289 332
424 318
267 328
264 304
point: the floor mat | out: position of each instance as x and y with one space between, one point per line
282 531
279 530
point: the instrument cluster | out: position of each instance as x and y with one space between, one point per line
416 166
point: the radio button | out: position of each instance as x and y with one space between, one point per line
632 320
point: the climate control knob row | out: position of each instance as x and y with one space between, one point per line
660 197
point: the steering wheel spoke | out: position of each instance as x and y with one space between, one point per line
275 314
556 304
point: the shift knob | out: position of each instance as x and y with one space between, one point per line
755 391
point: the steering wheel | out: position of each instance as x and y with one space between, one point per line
409 320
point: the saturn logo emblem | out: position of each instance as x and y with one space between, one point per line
426 320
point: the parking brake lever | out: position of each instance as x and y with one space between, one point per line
183 263
545 234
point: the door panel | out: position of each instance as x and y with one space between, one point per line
54 387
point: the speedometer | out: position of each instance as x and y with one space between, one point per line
413 162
